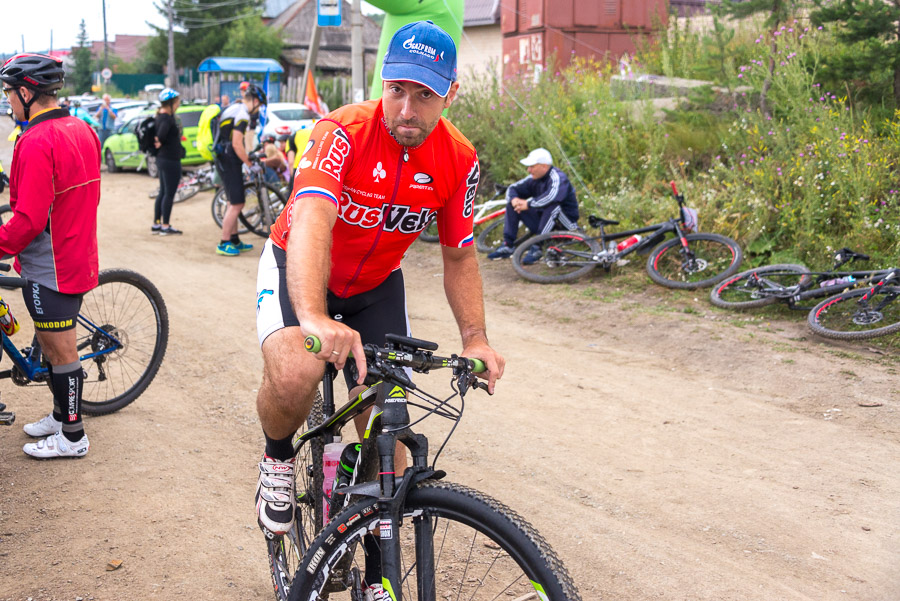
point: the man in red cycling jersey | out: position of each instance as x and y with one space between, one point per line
54 193
372 177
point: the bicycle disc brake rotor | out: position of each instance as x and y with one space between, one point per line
867 317
695 265
101 340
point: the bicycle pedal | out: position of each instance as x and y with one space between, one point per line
7 418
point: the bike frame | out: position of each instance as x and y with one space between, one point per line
390 395
30 365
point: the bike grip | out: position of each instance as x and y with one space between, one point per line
477 365
674 189
312 344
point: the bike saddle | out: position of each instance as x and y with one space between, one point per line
598 221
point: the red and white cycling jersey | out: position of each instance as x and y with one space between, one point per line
386 194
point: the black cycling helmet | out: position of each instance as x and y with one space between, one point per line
39 73
254 91
284 137
268 138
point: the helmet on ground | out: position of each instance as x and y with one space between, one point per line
37 72
254 91
168 94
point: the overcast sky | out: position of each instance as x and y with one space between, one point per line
63 17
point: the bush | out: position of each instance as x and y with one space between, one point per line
816 174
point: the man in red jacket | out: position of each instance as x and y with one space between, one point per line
54 192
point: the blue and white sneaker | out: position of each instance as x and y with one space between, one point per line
504 252
243 246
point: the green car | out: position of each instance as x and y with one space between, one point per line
120 151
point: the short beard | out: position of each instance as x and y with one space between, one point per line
412 142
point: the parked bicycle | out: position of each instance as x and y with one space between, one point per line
688 260
867 312
122 333
263 202
192 183
790 284
488 221
436 540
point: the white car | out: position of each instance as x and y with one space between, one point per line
293 114
126 110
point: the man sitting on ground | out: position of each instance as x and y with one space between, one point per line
543 201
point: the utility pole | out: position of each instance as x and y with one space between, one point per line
357 64
105 43
23 43
311 58
51 41
170 66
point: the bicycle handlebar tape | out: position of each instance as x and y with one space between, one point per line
312 344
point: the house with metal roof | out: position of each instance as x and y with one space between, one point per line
481 46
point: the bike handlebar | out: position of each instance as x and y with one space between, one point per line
674 189
417 360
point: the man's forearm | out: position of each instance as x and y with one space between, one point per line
462 285
309 256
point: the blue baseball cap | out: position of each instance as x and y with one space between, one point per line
423 53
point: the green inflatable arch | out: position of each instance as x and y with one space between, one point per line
446 14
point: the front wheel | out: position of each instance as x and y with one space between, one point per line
848 316
490 235
123 330
219 206
455 543
110 160
759 287
560 257
262 206
707 259
186 191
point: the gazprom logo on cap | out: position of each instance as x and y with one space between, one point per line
422 49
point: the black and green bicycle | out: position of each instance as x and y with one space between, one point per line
417 535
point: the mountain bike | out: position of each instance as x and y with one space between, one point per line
791 284
263 202
867 312
687 261
122 333
487 223
191 183
435 539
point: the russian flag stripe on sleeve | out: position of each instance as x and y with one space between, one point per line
314 191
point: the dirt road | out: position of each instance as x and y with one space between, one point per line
667 450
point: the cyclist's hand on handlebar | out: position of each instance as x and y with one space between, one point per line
337 342
493 361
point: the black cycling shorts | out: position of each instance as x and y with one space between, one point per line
373 314
50 310
231 171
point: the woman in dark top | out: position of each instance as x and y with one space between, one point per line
168 160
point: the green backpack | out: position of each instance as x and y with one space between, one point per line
208 131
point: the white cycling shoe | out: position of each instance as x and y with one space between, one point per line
57 445
275 499
43 427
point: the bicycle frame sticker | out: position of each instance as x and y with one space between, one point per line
387 530
540 591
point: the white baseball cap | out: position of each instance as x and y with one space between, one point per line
538 155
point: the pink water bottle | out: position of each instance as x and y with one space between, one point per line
628 242
330 460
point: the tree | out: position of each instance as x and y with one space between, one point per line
207 27
254 39
81 74
777 11
871 29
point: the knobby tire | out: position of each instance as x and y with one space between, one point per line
481 550
714 258
841 317
756 287
565 256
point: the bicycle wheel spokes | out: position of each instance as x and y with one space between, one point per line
124 324
849 316
708 259
759 287
555 257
